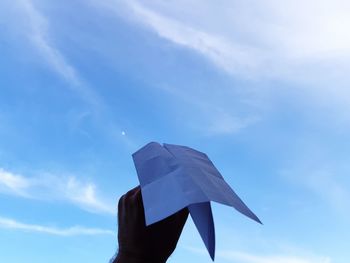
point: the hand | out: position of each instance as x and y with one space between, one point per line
139 243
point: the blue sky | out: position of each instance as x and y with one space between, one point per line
260 86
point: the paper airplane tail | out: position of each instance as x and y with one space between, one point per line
203 219
241 207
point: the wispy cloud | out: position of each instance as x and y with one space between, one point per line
213 119
8 223
252 41
224 123
55 188
12 183
227 55
257 39
324 183
32 25
38 34
244 257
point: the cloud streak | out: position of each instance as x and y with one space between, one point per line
306 47
39 36
12 183
8 223
26 20
55 188
267 41
232 57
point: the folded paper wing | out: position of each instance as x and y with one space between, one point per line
173 177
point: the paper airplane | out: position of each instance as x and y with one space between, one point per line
173 177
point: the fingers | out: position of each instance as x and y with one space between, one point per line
131 204
135 196
132 192
126 202
138 206
130 196
121 208
158 239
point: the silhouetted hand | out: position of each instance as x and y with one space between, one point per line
141 244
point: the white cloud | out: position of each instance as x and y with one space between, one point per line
290 40
223 123
230 56
303 45
8 223
84 195
13 183
250 35
55 188
311 29
39 36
